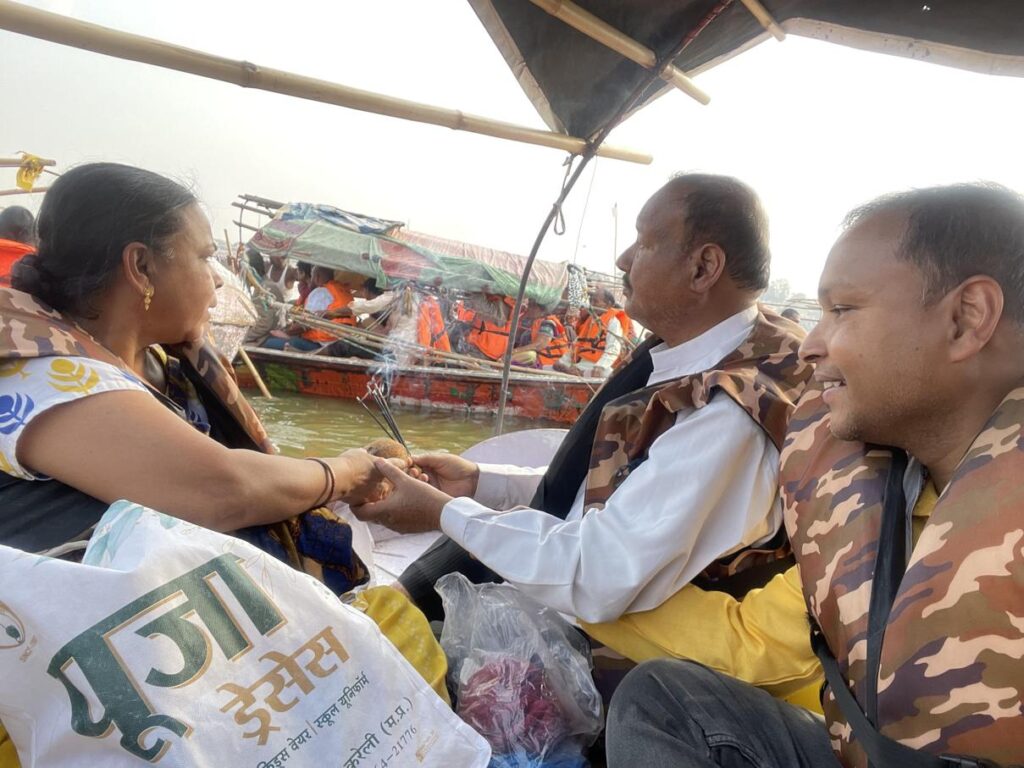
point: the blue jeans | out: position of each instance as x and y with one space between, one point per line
295 342
677 713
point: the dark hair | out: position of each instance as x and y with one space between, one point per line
87 219
958 231
304 268
725 211
256 261
17 223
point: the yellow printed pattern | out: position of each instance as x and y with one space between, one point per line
68 376
14 368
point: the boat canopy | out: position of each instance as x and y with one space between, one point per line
385 251
577 84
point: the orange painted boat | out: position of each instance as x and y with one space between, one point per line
530 395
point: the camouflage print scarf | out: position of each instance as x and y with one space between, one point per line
317 542
764 376
951 676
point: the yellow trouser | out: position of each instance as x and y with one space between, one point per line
401 622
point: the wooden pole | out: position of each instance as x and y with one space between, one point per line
17 162
604 33
255 374
43 25
761 14
249 208
6 192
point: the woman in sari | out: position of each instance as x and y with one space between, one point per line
109 391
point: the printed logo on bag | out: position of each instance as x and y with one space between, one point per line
12 630
217 604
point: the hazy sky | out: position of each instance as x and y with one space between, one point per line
814 128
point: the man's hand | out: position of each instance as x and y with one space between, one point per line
412 506
449 473
359 480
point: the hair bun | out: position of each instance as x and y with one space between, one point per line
29 275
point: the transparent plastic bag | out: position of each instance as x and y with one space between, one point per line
520 674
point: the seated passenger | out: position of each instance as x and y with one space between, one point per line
490 325
108 391
603 338
671 474
901 478
17 238
329 299
548 340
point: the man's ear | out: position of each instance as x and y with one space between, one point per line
139 267
975 309
707 263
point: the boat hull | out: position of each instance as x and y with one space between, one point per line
552 398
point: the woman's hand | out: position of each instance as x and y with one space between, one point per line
359 479
413 506
449 473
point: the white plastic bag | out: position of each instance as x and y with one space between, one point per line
176 645
521 675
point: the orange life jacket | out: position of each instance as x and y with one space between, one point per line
341 297
10 252
490 338
553 352
593 332
430 328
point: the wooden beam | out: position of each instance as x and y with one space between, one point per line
761 14
17 162
63 30
604 33
7 192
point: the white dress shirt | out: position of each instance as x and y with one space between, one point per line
708 488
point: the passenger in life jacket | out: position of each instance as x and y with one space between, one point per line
548 341
603 337
901 480
431 329
17 238
331 300
490 326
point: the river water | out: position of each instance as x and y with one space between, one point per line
301 425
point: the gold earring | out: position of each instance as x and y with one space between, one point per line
147 297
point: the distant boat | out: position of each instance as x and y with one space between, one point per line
532 395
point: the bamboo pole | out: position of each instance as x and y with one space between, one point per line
266 202
372 339
6 192
17 162
55 28
244 207
237 223
255 374
765 18
604 33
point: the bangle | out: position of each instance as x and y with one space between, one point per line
329 483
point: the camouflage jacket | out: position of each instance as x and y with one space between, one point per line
764 376
951 675
317 542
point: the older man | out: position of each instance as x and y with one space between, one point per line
904 501
670 475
